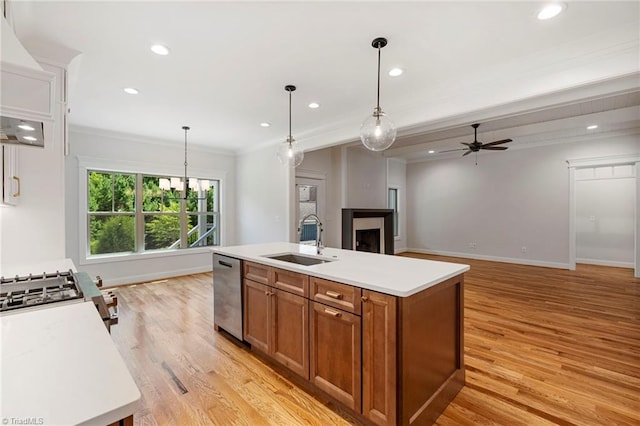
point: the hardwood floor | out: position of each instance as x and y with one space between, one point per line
542 346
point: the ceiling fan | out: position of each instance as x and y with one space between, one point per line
476 146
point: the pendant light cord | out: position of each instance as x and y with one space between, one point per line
290 137
378 100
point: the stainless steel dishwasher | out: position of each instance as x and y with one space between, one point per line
227 294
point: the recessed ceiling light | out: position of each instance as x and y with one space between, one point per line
131 90
26 127
314 105
159 49
551 10
592 127
30 138
431 152
265 124
394 72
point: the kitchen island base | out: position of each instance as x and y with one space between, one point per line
383 354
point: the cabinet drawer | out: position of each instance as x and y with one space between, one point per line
256 272
291 281
335 294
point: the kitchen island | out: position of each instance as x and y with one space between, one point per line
381 335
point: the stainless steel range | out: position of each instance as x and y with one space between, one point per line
34 291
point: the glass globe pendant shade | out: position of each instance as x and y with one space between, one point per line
290 154
377 132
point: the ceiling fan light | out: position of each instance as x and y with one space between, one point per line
377 132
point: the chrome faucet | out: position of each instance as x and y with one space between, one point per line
316 219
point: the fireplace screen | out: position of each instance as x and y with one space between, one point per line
368 240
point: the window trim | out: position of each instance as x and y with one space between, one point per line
86 164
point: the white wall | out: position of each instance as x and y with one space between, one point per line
265 188
397 178
512 199
366 183
112 151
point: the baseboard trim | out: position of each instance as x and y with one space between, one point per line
143 278
606 263
529 262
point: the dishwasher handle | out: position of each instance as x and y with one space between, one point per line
228 265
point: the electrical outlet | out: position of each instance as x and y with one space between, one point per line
472 245
475 246
592 218
523 249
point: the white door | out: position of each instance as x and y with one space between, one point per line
310 199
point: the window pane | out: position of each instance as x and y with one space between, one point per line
158 195
203 230
111 233
111 192
161 231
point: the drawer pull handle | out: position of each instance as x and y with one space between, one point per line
266 293
333 313
365 298
334 294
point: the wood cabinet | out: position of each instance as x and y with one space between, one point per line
10 175
290 331
276 322
335 353
257 315
379 357
392 360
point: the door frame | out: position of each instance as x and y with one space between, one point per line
617 160
322 199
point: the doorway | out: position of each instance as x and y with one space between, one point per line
604 212
310 199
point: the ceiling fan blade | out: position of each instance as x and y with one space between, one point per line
494 148
467 144
451 150
467 153
497 142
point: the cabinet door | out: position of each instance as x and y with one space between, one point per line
256 315
289 334
379 379
10 177
335 353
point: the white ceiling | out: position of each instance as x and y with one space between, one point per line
230 61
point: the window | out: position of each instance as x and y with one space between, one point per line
134 213
392 203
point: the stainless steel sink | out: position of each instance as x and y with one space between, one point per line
298 259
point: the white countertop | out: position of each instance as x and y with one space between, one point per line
34 268
396 275
60 365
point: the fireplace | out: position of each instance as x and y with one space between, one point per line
368 230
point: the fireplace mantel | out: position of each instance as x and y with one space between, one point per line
347 226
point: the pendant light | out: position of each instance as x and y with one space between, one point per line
289 153
377 131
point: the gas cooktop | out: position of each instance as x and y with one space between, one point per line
31 291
